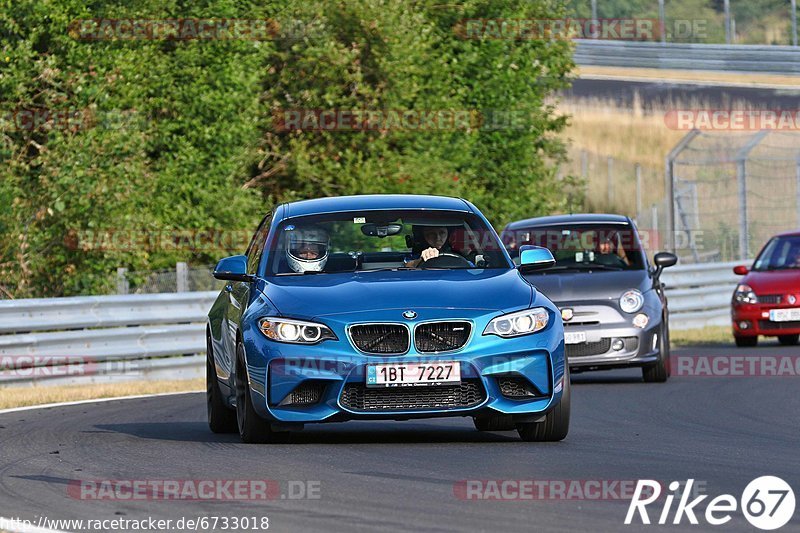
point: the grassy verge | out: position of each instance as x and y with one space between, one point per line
38 395
701 336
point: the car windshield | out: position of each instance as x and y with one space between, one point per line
377 240
781 253
581 247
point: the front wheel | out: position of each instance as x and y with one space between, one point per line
555 425
746 342
220 418
788 340
659 371
252 428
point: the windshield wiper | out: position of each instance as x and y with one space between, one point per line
306 273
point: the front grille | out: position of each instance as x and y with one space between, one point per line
588 348
766 324
383 339
516 387
770 299
441 336
358 397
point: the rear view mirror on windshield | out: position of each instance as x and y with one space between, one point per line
381 230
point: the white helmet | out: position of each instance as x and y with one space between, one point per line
307 248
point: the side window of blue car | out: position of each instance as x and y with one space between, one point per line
256 248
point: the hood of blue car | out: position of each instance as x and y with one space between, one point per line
362 293
585 286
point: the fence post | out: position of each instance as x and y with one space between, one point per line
123 286
727 9
741 178
610 182
182 272
794 22
638 168
662 22
654 224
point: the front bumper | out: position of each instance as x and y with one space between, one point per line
604 326
758 323
337 373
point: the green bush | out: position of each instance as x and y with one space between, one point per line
180 135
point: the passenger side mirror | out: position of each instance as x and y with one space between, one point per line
663 260
740 270
532 258
233 268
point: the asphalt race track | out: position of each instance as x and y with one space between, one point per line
389 476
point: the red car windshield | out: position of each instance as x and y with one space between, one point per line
781 253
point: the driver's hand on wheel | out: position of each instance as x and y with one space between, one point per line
429 253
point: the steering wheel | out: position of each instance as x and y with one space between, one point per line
446 260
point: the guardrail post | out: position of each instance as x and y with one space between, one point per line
123 286
794 22
610 168
662 22
182 272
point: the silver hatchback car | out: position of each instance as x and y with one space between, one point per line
611 299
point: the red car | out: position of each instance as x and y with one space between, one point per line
767 301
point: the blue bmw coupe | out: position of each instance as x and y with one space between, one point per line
383 307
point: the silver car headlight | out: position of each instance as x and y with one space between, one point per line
295 331
519 323
631 301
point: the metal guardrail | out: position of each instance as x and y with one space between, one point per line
714 57
700 295
103 338
117 338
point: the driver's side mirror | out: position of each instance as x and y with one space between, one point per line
233 268
740 270
533 258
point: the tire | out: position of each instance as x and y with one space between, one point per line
788 340
494 423
252 428
660 371
220 418
746 342
556 424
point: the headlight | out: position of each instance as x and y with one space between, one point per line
744 294
295 331
631 301
519 323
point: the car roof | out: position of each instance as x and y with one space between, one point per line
793 233
579 218
369 202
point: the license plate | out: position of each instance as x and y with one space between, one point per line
413 374
574 337
784 315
